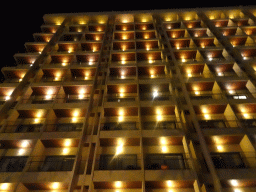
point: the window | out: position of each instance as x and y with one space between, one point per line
58 163
227 160
211 124
120 162
12 163
172 161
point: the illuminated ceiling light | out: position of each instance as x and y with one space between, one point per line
237 190
163 141
118 184
4 186
67 143
159 118
220 73
155 93
246 115
197 92
24 144
164 149
169 183
231 91
75 114
189 75
234 182
65 150
21 151
120 118
210 58
55 185
220 148
207 116
7 97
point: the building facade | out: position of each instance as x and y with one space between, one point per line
152 101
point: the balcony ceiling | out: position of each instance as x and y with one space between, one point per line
163 110
200 86
233 85
116 141
126 88
127 111
211 109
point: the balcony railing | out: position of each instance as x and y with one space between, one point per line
63 127
161 125
50 164
119 162
49 99
161 96
167 161
23 128
234 160
119 126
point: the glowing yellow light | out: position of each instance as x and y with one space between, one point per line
146 36
36 120
74 119
164 149
163 141
197 92
120 118
25 144
47 97
183 60
64 64
21 151
246 115
7 98
55 185
237 190
118 184
206 116
75 114
234 182
4 186
169 183
220 148
67 143
231 91
119 149
159 118
65 151
189 75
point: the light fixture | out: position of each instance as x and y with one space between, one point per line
118 184
67 143
155 93
234 182
21 151
65 151
25 143
169 183
55 185
4 186
220 147
164 149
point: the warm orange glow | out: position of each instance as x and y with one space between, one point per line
4 186
118 184
55 185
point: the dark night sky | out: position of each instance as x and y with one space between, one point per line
19 25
